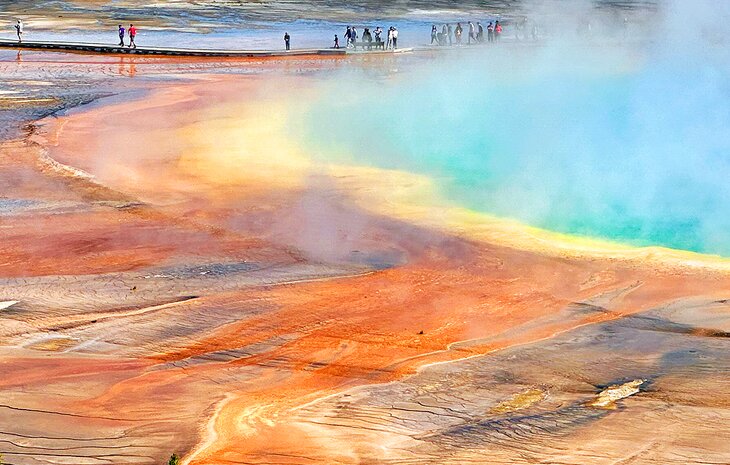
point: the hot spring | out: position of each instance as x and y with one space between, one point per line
625 141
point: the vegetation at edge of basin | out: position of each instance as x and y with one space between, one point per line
174 460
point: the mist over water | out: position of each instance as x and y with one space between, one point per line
627 141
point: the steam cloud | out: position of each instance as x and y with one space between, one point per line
625 139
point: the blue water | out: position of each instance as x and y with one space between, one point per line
627 143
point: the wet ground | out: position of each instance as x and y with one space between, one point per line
538 403
261 25
157 297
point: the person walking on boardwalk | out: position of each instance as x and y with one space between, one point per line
497 30
490 32
395 38
433 34
122 31
390 38
457 33
449 33
353 35
367 38
444 34
348 34
132 34
19 30
378 32
337 42
287 41
480 32
472 35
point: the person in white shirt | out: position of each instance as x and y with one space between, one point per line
395 38
19 30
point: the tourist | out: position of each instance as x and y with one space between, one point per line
444 35
524 27
457 33
480 32
449 33
348 36
132 34
490 32
390 38
433 34
287 41
367 39
497 30
121 35
378 32
395 38
472 35
19 30
353 35
337 42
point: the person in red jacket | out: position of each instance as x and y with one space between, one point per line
132 34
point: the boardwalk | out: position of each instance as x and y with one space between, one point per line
163 51
160 51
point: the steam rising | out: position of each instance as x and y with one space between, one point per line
598 136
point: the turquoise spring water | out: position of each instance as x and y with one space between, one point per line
630 144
